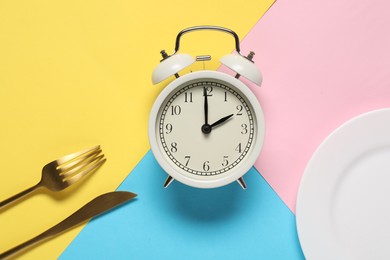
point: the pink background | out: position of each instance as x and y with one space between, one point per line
323 62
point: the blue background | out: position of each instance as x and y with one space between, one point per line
181 222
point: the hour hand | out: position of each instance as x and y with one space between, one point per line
206 128
220 121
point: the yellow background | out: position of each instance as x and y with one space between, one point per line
74 74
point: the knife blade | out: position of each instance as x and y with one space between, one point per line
92 209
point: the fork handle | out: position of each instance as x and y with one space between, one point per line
4 203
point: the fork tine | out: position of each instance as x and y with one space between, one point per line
81 160
71 157
80 166
96 165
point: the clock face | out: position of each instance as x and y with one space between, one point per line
205 129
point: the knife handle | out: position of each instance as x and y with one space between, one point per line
9 253
93 208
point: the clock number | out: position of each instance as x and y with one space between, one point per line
244 129
188 97
239 108
187 157
168 128
238 148
175 110
206 166
174 147
209 90
225 161
225 100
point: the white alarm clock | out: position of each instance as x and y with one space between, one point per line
206 128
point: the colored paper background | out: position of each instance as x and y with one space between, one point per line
181 222
74 74
324 62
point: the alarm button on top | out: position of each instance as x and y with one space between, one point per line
243 66
170 66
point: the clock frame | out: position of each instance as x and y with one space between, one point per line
165 106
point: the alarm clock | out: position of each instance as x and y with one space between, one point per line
206 128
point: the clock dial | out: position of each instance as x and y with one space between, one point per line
205 128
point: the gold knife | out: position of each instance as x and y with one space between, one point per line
93 208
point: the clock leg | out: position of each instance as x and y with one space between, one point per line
242 183
168 181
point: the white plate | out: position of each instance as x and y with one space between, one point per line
343 204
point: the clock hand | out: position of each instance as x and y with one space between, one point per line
220 121
206 128
206 106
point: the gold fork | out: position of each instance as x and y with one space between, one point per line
65 171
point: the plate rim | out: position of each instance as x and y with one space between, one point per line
324 143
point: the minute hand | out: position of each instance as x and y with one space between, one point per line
206 106
220 121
